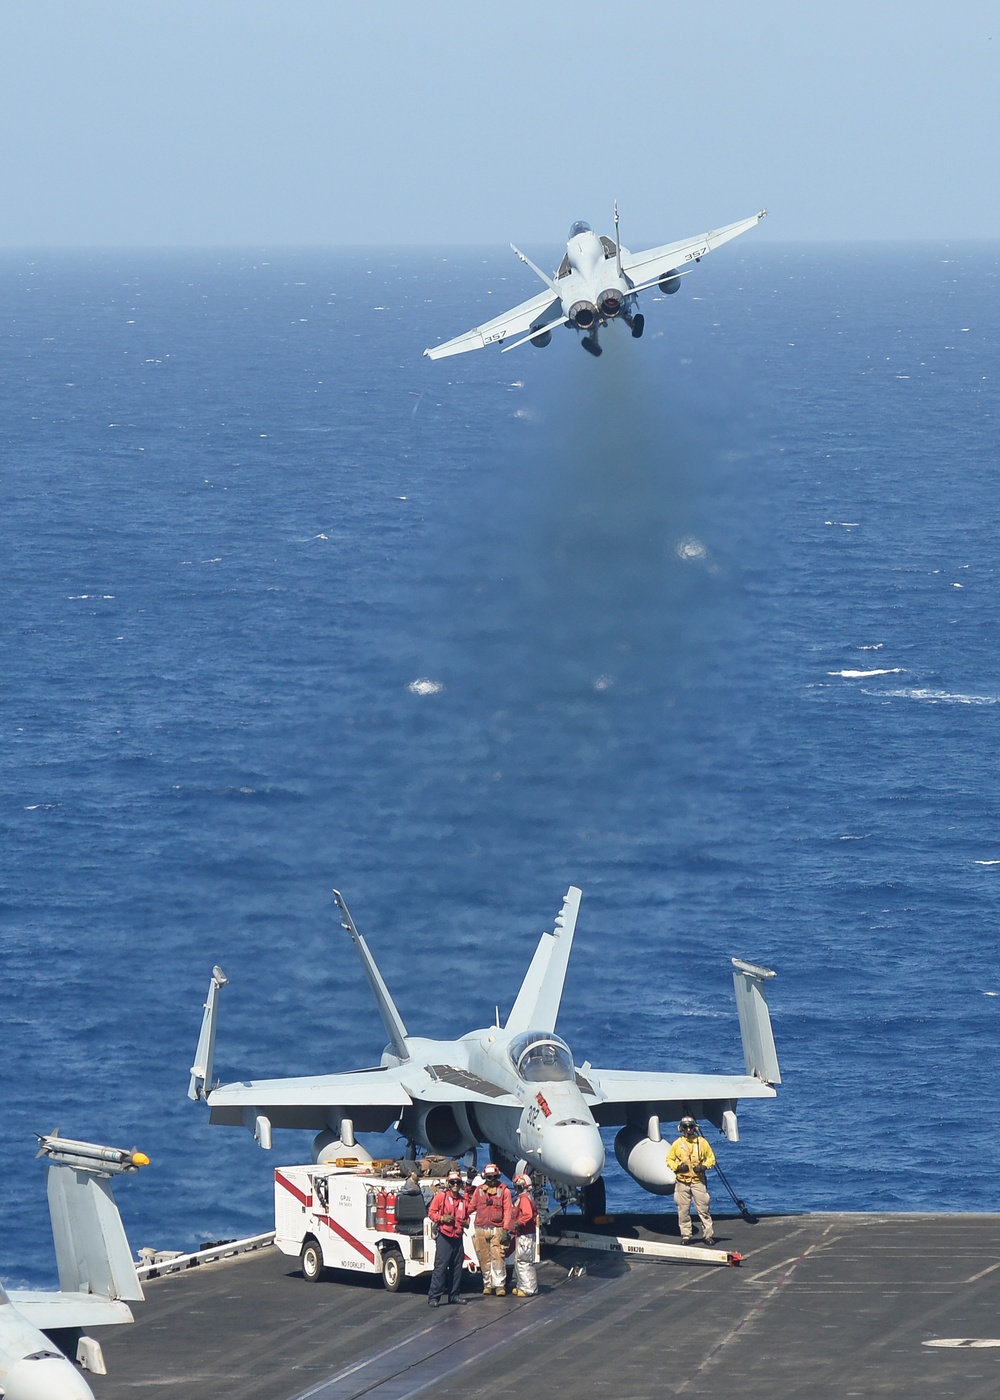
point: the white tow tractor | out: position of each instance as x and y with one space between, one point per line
364 1216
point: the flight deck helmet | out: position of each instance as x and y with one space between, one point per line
688 1126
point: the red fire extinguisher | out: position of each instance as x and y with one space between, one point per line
390 1211
381 1201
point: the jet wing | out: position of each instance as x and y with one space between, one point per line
644 269
530 315
612 1093
373 1098
51 1311
379 1086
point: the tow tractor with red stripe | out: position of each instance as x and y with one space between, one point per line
367 1217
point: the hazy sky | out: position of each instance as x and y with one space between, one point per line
436 121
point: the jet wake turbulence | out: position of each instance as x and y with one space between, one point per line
514 1087
598 281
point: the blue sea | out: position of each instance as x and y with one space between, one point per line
709 627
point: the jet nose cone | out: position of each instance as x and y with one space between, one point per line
46 1378
573 1153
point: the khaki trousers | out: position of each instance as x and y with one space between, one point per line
492 1260
696 1193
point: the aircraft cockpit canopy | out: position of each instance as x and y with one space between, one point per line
541 1057
581 226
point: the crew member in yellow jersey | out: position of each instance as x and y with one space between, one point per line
689 1158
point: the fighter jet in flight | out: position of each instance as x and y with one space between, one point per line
515 1087
598 281
96 1275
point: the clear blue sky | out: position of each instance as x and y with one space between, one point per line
452 121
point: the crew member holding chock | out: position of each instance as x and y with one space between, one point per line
689 1158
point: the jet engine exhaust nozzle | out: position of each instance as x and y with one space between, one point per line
610 303
583 314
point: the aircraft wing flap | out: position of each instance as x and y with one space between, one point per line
622 1086
51 1311
376 1087
648 266
517 321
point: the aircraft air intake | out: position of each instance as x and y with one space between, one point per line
583 314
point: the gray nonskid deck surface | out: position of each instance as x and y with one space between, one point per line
829 1305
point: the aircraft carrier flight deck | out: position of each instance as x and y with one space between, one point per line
824 1305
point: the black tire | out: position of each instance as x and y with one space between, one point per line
311 1260
595 1199
393 1270
638 326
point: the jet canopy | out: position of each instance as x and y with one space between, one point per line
581 226
539 1057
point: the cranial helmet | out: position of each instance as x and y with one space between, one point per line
491 1169
688 1125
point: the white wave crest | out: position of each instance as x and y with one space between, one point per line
938 697
423 686
861 675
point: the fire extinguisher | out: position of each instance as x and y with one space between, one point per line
390 1211
381 1201
370 1208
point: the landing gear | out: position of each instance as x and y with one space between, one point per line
594 1198
591 344
638 326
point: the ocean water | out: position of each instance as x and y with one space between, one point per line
708 626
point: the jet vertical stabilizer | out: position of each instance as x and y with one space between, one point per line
200 1083
391 1018
759 1053
537 1005
92 1250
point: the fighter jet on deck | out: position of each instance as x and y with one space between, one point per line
515 1086
597 281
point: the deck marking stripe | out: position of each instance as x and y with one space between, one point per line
458 1349
290 1186
963 1342
982 1273
757 1307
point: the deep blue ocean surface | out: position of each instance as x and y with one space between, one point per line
711 627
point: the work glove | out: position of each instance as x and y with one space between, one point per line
505 1237
447 1220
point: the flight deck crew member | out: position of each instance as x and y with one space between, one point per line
525 1220
449 1212
493 1207
689 1158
